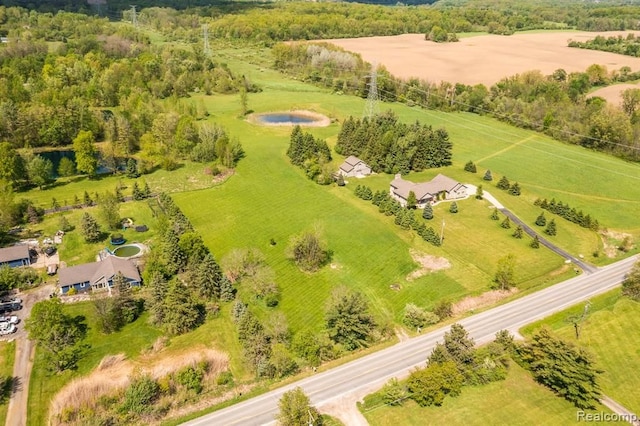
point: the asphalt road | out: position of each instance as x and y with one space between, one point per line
400 359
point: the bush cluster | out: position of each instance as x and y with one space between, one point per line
568 213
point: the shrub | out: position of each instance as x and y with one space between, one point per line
191 377
140 395
225 378
470 167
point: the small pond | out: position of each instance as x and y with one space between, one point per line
126 251
291 118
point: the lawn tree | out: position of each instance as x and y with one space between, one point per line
308 250
181 313
40 171
393 392
340 180
494 214
118 193
535 243
64 224
348 320
430 385
470 167
66 167
136 192
453 208
417 317
631 283
566 370
503 183
487 176
132 168
518 232
88 202
551 228
54 204
506 223
514 189
57 333
411 200
427 213
110 210
86 153
296 410
504 278
479 193
146 191
244 101
89 228
541 220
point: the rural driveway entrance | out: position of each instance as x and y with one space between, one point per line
25 349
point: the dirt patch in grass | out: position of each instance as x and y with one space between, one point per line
484 59
561 270
428 263
485 299
612 240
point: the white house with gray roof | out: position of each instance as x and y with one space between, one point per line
354 167
440 187
97 276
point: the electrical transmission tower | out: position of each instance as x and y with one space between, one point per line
205 36
134 16
371 108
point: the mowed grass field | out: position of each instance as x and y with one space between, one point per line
611 332
516 400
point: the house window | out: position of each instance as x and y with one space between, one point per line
82 285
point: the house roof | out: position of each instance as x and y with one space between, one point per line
92 272
18 252
434 186
350 162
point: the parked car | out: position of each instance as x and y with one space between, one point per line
11 320
10 307
7 328
12 300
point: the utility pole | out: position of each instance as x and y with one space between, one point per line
371 108
205 35
442 232
134 16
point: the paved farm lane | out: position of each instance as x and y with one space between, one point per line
400 359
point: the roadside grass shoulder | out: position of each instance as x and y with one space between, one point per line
518 399
7 357
610 331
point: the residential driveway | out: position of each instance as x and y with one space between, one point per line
17 411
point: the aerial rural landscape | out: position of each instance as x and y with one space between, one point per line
339 213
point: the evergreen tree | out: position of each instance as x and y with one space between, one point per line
76 201
503 183
174 258
470 167
427 213
227 292
87 199
551 228
506 223
208 278
514 189
64 224
494 214
146 191
132 169
159 288
136 193
118 194
479 193
518 232
181 313
54 204
89 228
340 180
541 220
487 176
453 208
411 200
535 243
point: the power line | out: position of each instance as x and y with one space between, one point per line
371 107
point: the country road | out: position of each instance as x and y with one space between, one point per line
397 361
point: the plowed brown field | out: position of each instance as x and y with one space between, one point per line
484 59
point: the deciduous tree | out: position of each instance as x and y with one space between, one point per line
86 153
296 410
504 278
348 319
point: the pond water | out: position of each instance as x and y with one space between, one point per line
286 118
56 156
126 251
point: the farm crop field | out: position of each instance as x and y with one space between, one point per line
484 59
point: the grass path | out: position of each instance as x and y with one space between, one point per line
505 149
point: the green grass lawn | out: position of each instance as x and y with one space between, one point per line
131 340
7 356
611 331
516 400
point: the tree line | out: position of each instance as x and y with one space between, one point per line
389 146
628 45
311 154
568 213
557 104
